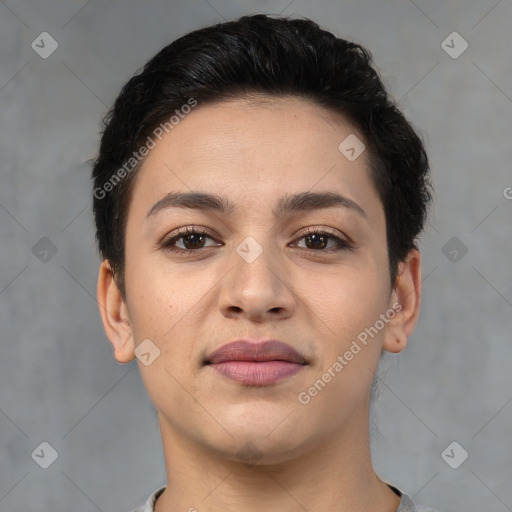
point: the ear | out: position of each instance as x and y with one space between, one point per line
114 315
405 302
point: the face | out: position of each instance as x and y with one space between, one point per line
312 274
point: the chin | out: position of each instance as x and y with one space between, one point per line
265 442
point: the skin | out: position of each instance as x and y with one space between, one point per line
310 457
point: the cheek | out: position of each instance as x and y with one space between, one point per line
166 301
350 295
150 295
345 306
348 303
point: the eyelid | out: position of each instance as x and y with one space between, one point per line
184 231
311 230
342 241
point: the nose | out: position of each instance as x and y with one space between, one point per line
257 289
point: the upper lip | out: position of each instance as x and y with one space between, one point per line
251 350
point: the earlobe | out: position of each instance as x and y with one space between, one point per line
114 315
405 300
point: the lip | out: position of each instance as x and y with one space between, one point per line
256 363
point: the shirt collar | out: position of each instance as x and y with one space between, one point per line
406 505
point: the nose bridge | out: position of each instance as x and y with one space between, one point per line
255 285
255 260
255 248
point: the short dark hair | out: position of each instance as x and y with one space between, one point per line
275 56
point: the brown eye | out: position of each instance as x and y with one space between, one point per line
316 241
319 241
195 240
192 240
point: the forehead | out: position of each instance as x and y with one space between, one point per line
254 149
258 129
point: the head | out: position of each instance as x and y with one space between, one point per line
283 133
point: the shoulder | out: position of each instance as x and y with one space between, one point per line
407 505
149 506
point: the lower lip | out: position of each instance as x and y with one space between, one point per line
254 373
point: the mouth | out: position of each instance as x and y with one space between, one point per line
255 363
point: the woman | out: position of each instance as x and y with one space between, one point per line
258 199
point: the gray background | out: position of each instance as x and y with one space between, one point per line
59 382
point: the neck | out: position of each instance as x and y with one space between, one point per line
333 474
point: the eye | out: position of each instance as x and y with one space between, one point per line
192 239
318 241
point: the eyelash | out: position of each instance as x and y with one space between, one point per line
168 242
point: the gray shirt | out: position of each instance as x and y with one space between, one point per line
406 505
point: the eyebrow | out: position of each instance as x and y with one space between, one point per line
286 205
